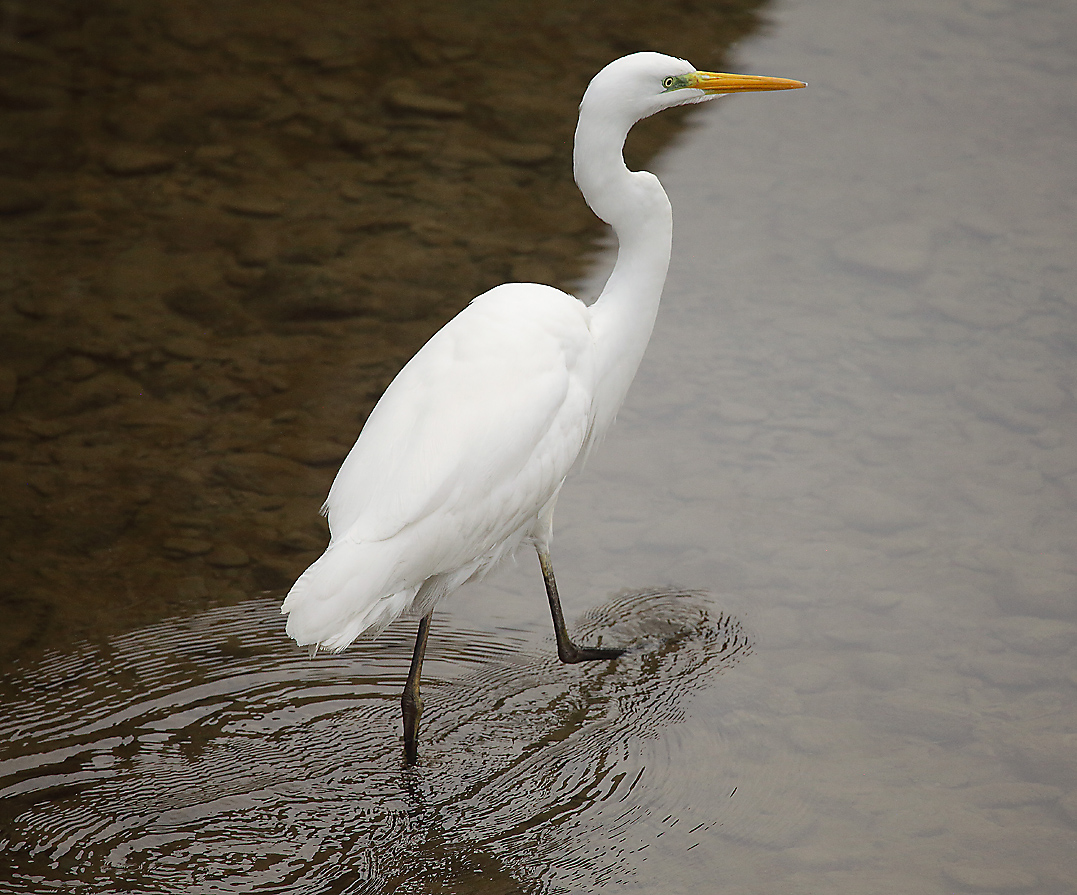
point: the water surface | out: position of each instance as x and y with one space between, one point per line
850 451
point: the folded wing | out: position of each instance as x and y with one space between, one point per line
468 444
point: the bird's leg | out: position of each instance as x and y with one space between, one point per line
411 702
567 651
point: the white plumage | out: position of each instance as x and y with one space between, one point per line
462 459
455 465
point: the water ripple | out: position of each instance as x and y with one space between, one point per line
207 753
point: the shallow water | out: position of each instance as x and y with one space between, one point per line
221 758
861 392
850 449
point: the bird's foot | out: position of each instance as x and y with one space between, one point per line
570 653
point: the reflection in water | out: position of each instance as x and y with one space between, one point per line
206 752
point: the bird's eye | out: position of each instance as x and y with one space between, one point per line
669 82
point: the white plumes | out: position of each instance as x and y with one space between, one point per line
455 465
463 457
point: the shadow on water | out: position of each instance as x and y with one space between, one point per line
206 751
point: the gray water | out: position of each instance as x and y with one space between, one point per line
855 427
835 522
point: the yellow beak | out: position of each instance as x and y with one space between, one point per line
718 82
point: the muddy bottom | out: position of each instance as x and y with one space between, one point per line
224 230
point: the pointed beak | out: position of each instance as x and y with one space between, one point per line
713 82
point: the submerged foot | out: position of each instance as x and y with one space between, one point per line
570 653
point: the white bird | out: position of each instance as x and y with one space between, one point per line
463 458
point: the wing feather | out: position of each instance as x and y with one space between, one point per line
502 388
465 449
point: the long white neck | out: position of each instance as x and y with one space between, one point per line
637 208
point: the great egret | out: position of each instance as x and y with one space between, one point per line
462 459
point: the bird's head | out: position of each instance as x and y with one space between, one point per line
639 85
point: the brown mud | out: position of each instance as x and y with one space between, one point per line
224 228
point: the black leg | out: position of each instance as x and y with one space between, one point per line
411 702
567 651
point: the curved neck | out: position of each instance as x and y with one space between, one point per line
637 208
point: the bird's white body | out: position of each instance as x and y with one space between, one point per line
462 459
459 463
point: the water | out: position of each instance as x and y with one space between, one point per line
862 397
218 757
841 497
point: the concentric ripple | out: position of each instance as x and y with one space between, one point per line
207 754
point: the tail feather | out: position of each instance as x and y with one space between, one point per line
342 595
